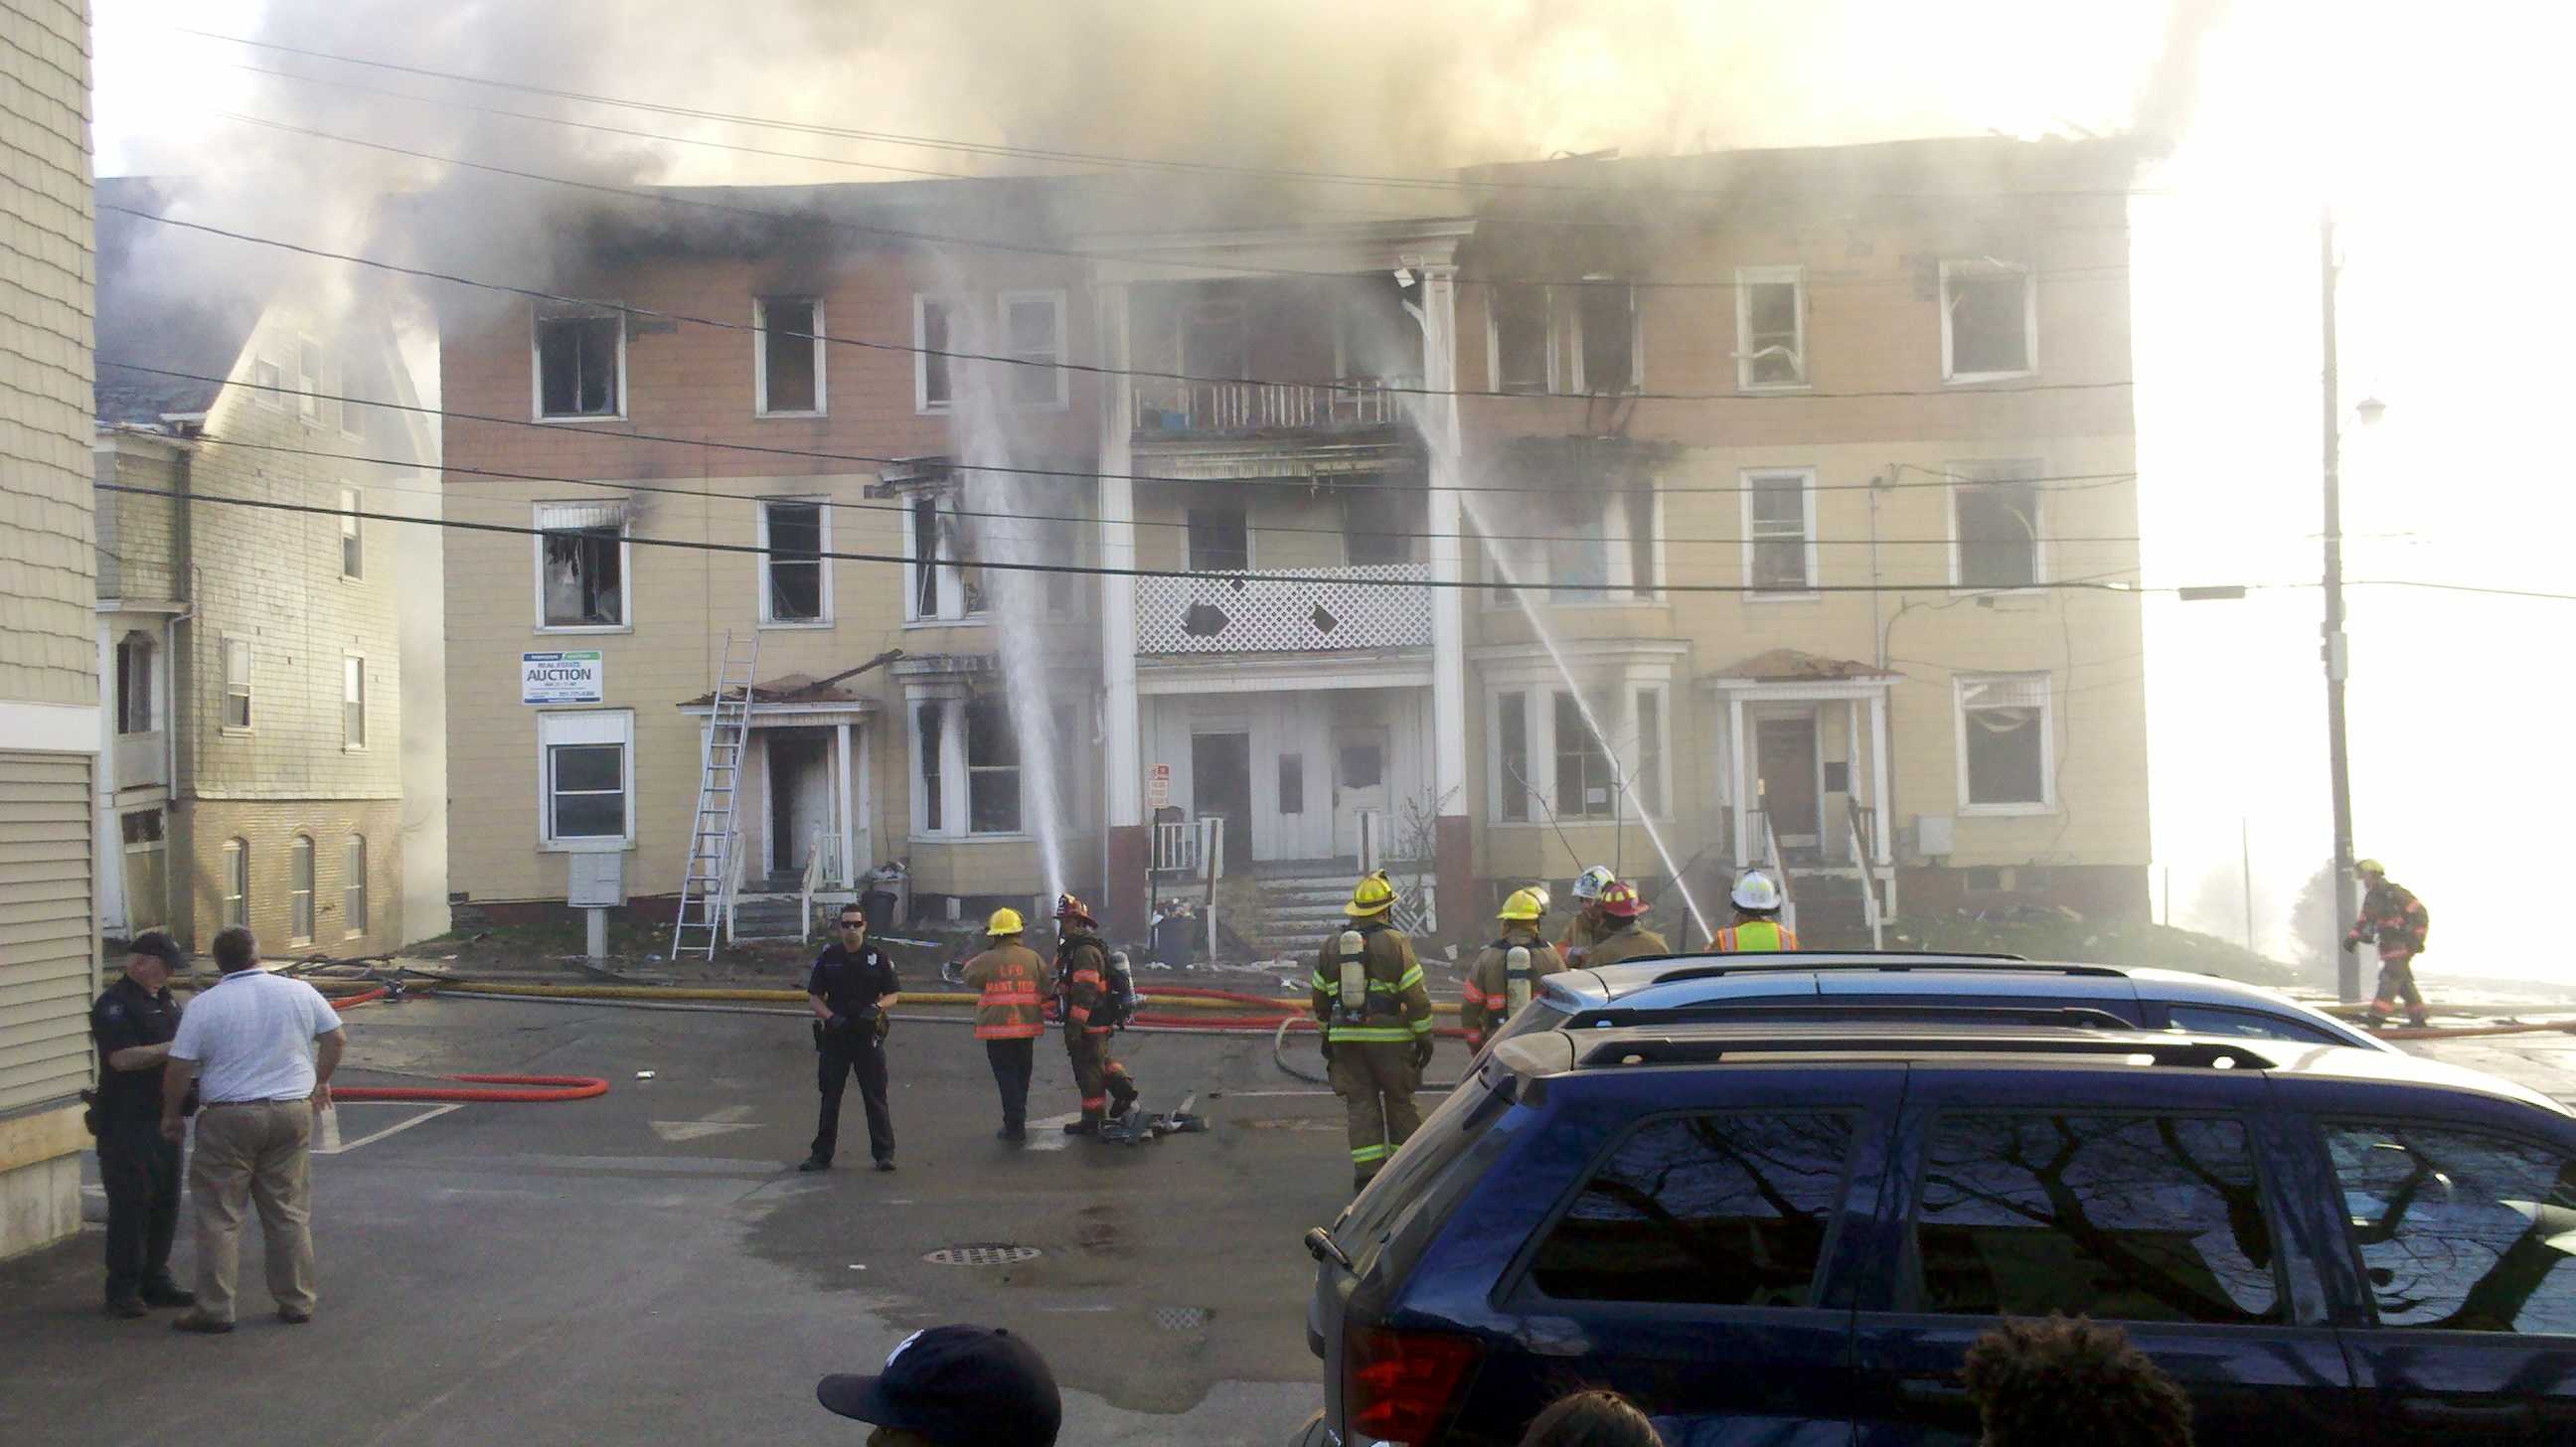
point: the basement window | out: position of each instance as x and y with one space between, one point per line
1989 320
790 329
582 557
581 364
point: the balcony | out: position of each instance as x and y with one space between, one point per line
1182 410
1305 610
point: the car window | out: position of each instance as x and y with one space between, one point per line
2459 1230
1717 1210
2126 1218
2253 1024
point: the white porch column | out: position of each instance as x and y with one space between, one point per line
1743 786
1440 436
1851 764
849 829
1122 786
1881 795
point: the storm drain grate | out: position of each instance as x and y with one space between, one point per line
1180 1318
989 1254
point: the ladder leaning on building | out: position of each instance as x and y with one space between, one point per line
708 879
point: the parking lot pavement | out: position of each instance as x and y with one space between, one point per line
2545 1062
649 1266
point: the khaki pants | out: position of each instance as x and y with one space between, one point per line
1376 1081
262 1152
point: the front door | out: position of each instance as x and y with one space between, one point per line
800 796
1784 761
1359 783
1221 787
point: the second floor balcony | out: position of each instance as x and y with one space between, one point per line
1180 410
1302 610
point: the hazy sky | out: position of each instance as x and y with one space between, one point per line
2438 141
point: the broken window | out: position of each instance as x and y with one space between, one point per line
580 364
936 333
925 558
1220 540
926 750
1988 324
1607 320
1770 327
1511 726
791 354
797 586
1520 337
1033 337
1996 520
1779 552
2004 744
992 768
581 552
1586 784
1381 525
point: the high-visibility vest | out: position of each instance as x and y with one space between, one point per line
1756 936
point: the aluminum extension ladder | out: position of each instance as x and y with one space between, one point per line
707 879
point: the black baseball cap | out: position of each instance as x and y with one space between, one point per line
956 1385
161 947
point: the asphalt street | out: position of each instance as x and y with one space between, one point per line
648 1266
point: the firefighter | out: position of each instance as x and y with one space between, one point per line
1507 973
1375 1019
1007 977
1091 1014
1587 927
1626 939
2394 919
1757 928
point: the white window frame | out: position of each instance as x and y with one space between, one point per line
536 364
958 329
760 359
1749 479
232 907
967 768
1002 303
1747 278
353 671
1960 684
355 913
760 520
300 892
1565 335
267 378
950 794
138 667
244 683
353 537
952 580
573 727
1988 267
1494 339
1965 476
308 385
1538 683
625 568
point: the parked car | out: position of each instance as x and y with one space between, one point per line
1791 1232
1924 987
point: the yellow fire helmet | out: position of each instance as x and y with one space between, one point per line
2370 867
1005 921
1524 904
1374 896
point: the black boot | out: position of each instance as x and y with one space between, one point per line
1088 1125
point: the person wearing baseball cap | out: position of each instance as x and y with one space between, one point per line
953 1386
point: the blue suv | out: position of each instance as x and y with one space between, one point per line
1790 1233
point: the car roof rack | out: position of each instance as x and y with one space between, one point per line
1886 965
1825 1010
1655 1047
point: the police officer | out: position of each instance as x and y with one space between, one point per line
1006 978
1627 939
1507 973
1091 1015
133 1022
1588 925
852 986
1757 928
1375 1018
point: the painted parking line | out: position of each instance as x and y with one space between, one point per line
331 1142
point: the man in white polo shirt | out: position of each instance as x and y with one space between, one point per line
260 1048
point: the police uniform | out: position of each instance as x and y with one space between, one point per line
1631 942
1494 988
1007 979
1375 1047
1082 973
852 1042
136 1165
1750 936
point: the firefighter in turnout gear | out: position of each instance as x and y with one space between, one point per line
1007 978
1625 939
2394 919
1375 1018
1588 927
1507 973
1757 928
1093 1010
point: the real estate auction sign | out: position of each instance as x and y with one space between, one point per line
575 677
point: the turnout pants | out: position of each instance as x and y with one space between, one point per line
140 1172
1105 1085
1013 1062
861 1054
1376 1081
2397 982
260 1153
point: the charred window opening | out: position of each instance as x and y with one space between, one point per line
1996 519
794 562
1220 540
925 558
791 355
584 563
1606 319
1520 315
1382 525
579 359
992 768
1987 319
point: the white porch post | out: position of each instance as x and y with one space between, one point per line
1743 786
849 831
1851 765
1448 602
1122 786
1881 796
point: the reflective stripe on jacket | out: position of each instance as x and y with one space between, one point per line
1485 996
1082 966
1754 936
1009 1005
1399 1006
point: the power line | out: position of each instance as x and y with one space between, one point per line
1086 368
981 148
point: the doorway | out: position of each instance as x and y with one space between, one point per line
1359 783
1784 761
1221 787
800 795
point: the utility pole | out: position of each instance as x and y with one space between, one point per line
2334 651
2245 877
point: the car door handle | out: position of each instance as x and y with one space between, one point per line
1931 1392
2446 1412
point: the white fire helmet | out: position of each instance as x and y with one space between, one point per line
1589 884
1756 892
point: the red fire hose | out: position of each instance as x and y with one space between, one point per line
537 1089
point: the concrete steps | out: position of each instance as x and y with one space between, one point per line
767 917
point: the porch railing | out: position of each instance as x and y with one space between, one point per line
1286 610
1189 847
1857 822
1174 407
